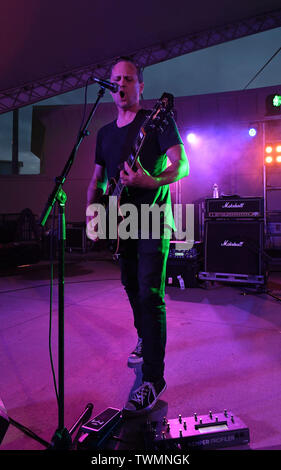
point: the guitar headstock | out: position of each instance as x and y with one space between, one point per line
166 102
161 111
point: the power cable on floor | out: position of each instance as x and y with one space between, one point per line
273 296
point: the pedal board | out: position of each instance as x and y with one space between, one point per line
97 429
211 431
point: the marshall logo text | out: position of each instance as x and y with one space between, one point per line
235 205
229 243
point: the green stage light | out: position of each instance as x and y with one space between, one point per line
273 104
276 100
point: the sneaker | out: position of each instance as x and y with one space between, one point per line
136 356
144 398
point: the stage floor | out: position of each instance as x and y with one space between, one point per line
223 352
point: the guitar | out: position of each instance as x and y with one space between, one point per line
157 119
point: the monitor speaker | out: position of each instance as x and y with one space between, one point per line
234 246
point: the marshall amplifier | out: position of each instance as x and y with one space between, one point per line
247 207
234 251
183 264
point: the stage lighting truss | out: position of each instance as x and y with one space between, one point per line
48 87
272 153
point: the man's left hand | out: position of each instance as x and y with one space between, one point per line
139 178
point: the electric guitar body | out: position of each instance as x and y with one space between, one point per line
157 119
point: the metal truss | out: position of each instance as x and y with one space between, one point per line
211 37
55 85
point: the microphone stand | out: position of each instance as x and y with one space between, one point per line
83 418
62 437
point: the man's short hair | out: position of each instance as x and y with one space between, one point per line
132 61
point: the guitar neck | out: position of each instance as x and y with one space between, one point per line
118 189
155 120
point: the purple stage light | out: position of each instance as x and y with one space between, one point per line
191 138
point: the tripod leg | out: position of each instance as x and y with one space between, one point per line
29 433
62 438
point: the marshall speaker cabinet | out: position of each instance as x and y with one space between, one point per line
234 241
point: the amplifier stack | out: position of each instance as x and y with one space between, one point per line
234 240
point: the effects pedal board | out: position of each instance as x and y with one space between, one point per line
98 429
211 431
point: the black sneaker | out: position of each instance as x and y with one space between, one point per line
144 398
136 356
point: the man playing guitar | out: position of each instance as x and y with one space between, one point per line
142 260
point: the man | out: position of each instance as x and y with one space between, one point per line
142 261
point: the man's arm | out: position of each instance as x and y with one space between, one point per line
178 169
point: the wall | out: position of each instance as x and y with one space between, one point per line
225 154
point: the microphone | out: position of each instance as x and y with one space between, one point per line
113 87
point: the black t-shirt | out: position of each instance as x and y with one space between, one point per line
115 144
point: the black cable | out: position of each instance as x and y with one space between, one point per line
52 238
84 109
273 296
263 67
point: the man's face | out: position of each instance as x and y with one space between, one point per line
125 75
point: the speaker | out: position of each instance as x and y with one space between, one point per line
234 246
183 265
182 273
76 236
